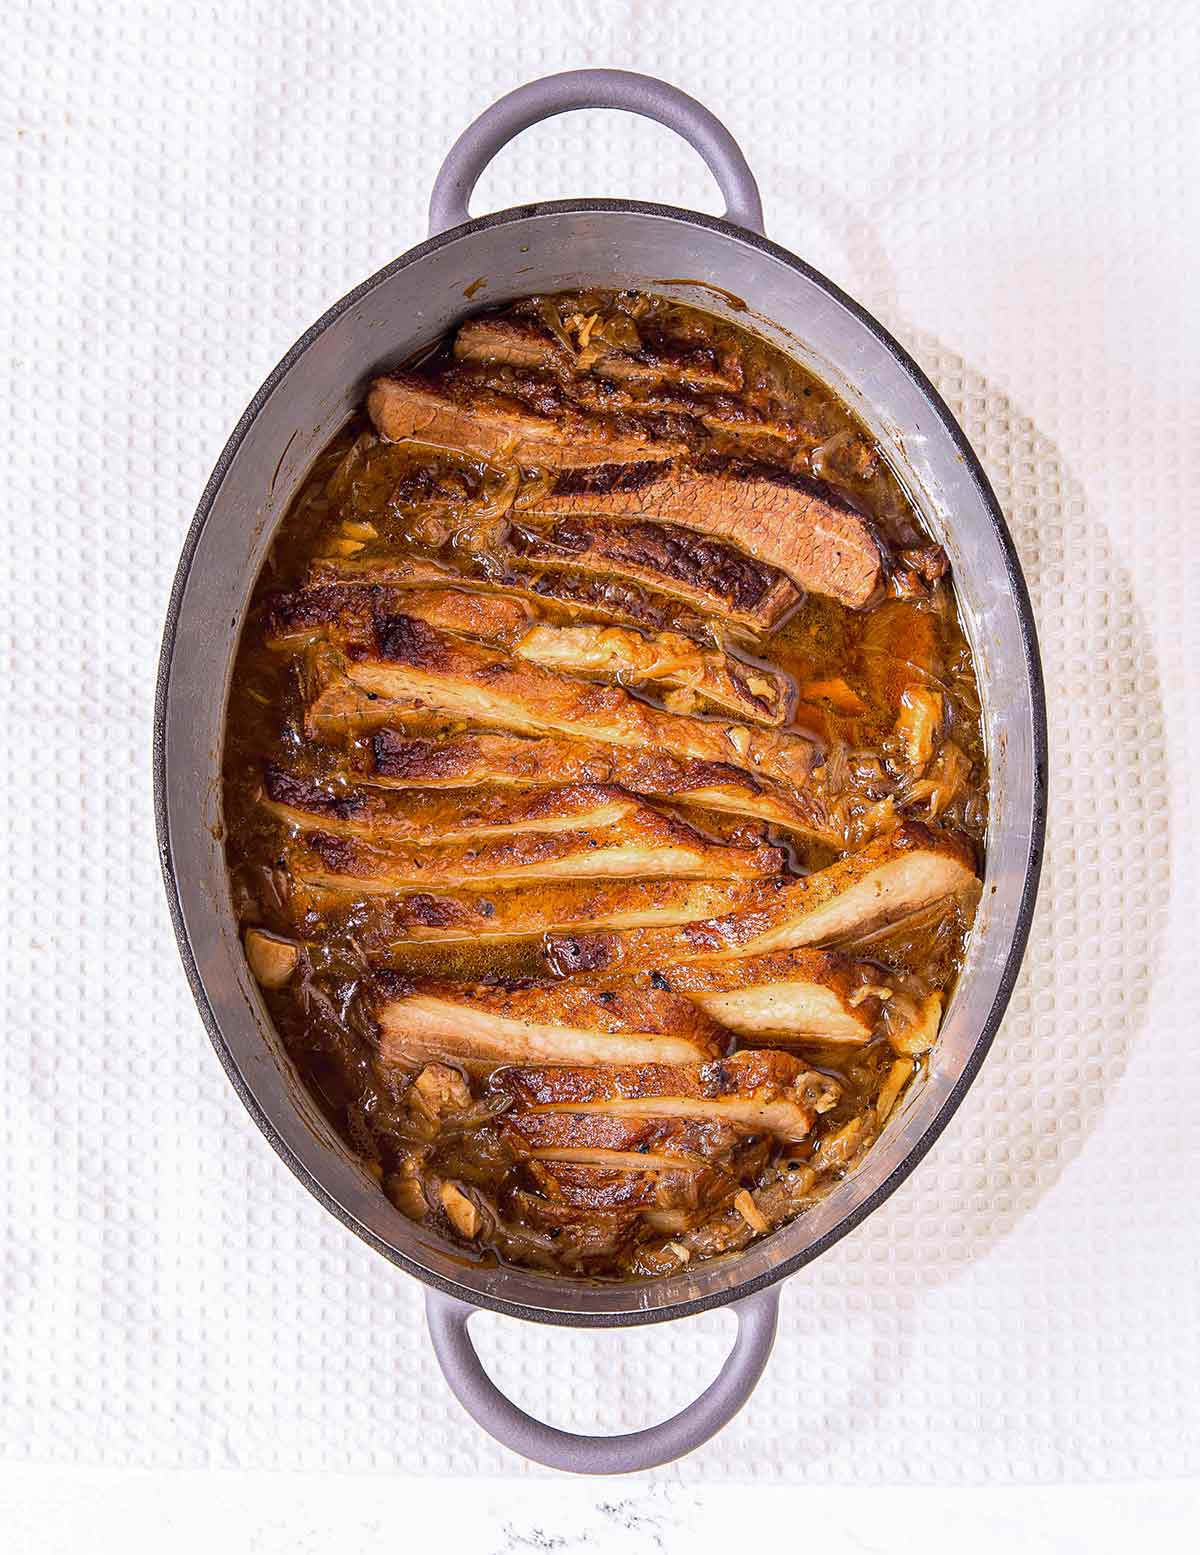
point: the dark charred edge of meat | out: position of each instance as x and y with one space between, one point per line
557 411
720 1078
321 606
283 788
439 912
662 345
609 598
490 411
774 475
676 554
758 1073
336 853
715 774
524 344
673 361
676 411
662 773
840 501
391 920
406 640
911 835
607 477
567 956
395 754
360 610
387 984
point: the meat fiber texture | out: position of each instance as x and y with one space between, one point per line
181 197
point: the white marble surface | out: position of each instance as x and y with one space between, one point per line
189 1342
53 1511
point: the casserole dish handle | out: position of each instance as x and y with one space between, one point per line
575 89
704 1417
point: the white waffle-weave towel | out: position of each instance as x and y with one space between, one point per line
1012 191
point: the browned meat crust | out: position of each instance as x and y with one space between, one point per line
782 519
792 995
711 577
601 378
466 760
391 817
887 880
485 1024
519 912
510 343
550 1132
340 612
642 845
602 598
696 371
661 658
590 598
404 407
781 432
414 664
595 1161
762 1091
515 343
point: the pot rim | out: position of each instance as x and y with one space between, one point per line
638 1316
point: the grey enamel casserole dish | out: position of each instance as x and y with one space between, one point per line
548 248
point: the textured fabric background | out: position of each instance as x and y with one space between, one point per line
1011 190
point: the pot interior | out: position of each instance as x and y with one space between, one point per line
399 312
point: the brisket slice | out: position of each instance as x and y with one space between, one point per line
591 598
709 575
792 995
642 845
678 384
516 343
539 1024
414 664
341 613
783 520
420 818
660 658
890 878
381 924
500 432
401 760
760 1091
